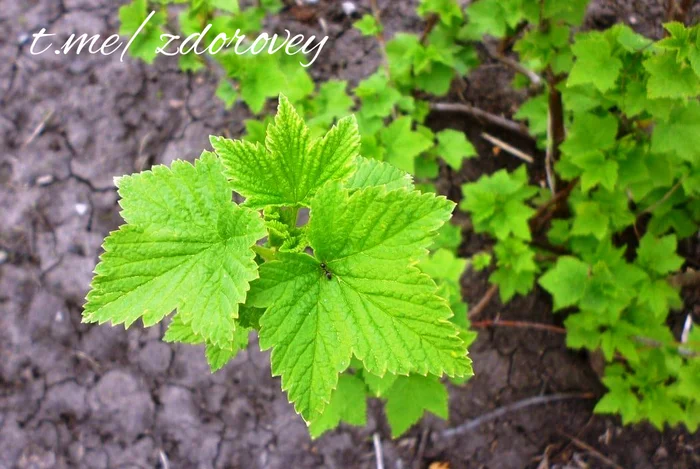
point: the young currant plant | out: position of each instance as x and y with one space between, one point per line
247 77
628 173
341 301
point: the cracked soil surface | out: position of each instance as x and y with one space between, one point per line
77 396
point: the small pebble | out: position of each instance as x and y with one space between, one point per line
81 209
44 180
349 8
23 39
311 2
3 256
59 316
633 20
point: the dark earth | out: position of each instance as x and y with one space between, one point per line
78 396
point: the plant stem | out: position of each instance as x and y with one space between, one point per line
483 116
501 411
518 324
483 302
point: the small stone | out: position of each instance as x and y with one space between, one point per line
44 180
3 256
311 2
349 8
661 453
633 20
59 316
81 208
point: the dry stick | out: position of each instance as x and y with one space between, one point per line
483 302
519 325
509 148
482 115
534 78
378 451
594 452
689 278
429 26
501 411
39 128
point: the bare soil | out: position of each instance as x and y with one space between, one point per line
77 396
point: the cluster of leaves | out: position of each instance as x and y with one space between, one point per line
631 160
250 78
340 301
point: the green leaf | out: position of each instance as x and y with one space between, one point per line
230 6
410 397
227 93
403 144
185 246
348 404
447 10
217 356
148 40
453 147
590 220
443 264
566 281
371 173
595 63
332 102
496 203
659 254
481 261
378 385
670 79
679 134
516 268
590 134
290 168
368 25
368 298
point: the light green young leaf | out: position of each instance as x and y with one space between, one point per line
410 397
290 168
403 144
659 254
680 133
368 25
371 172
595 63
186 245
566 281
348 404
453 147
148 40
360 294
670 79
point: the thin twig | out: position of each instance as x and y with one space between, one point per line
501 411
164 464
483 116
534 78
594 452
424 437
39 128
518 324
429 26
507 147
378 451
483 302
689 278
663 199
